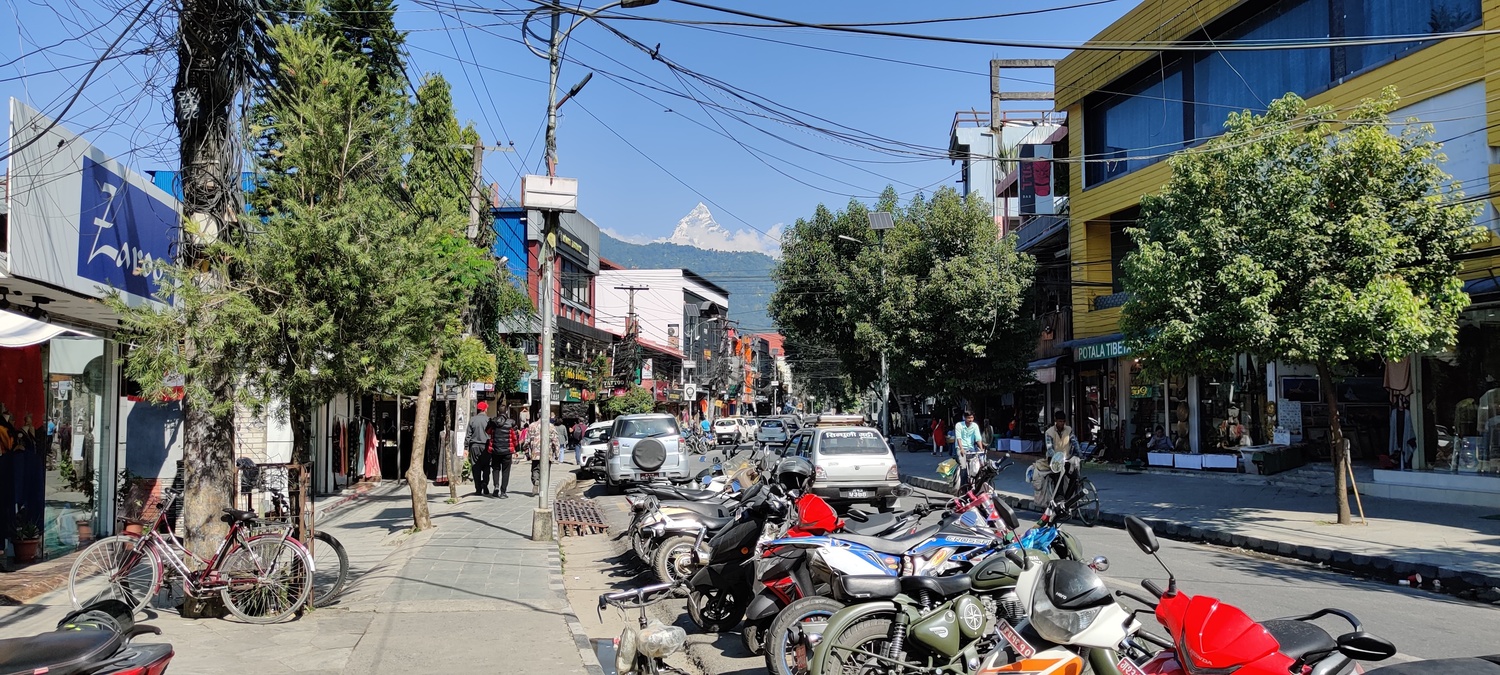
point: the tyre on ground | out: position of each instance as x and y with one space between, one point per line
673 559
95 575
786 651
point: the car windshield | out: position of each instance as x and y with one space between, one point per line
725 423
772 424
647 427
852 443
596 434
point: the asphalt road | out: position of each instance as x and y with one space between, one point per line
1421 624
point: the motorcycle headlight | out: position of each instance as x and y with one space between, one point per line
657 641
625 651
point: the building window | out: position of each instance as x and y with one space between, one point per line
575 284
1167 104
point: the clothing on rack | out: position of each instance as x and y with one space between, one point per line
372 458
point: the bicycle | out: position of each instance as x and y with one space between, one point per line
330 560
1081 501
640 650
261 578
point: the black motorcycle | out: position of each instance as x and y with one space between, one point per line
94 640
720 590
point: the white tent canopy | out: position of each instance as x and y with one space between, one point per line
20 331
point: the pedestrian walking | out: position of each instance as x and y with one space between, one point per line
575 440
534 451
507 441
939 436
480 455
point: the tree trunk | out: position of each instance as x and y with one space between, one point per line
416 477
1336 440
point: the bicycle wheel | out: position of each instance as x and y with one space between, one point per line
1086 504
330 569
268 579
120 567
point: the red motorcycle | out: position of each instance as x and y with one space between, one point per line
1210 637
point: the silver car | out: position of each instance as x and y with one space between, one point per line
850 464
663 459
772 431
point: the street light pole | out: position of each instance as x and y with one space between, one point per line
541 521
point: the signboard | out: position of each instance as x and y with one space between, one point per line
1103 350
646 370
82 221
1036 181
690 391
1142 391
549 193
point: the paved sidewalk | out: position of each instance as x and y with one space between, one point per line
472 595
1458 546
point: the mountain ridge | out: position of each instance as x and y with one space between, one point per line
746 275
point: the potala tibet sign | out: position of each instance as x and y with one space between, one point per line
80 220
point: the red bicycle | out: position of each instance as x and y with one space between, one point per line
260 572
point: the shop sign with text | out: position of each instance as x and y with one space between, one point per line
1103 350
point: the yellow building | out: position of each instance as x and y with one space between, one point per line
1127 111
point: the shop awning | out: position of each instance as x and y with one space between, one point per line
1044 370
1099 347
20 331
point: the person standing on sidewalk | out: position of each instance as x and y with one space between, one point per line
506 441
970 442
534 451
479 450
939 436
575 440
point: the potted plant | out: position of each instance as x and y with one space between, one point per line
85 528
131 502
28 539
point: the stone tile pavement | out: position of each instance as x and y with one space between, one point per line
472 595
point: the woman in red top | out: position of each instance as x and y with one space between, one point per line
939 436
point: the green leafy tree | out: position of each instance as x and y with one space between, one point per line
637 400
940 294
1301 237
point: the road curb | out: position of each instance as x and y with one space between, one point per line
1438 578
556 583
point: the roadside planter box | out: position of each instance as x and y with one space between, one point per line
1194 462
1159 458
1221 462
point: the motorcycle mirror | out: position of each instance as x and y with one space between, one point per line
1142 535
1099 564
1363 646
1007 514
1018 556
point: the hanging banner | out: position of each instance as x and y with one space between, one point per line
1036 181
646 370
81 221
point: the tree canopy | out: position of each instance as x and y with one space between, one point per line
1300 236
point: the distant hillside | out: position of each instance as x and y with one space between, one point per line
747 276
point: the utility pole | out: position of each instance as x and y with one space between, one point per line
465 401
630 313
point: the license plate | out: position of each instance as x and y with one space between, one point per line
1128 667
1018 643
650 476
856 494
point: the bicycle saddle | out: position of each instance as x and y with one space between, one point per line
233 515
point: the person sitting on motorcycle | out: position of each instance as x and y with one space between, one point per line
1062 447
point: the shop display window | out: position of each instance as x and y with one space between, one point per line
1460 399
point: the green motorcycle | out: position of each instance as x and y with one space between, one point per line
921 624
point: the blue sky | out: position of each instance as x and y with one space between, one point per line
640 167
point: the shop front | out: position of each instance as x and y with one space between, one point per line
1442 435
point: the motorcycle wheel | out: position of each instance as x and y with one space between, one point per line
787 650
641 545
872 635
752 636
673 559
715 610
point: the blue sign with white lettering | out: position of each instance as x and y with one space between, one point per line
121 231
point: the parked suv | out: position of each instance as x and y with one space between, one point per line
653 463
772 431
850 464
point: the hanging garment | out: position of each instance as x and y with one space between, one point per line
372 458
1398 377
358 452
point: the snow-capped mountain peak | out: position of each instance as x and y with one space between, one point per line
699 230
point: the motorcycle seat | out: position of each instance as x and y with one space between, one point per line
943 587
59 653
232 515
716 524
705 509
853 588
1482 665
1300 639
893 545
676 493
873 525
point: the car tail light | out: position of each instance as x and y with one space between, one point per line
614 448
893 474
819 473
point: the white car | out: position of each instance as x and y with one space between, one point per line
850 464
728 431
772 431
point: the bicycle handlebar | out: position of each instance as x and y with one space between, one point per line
636 597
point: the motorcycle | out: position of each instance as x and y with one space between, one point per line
961 542
96 640
720 590
1209 635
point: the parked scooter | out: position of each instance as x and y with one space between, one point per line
720 589
96 640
